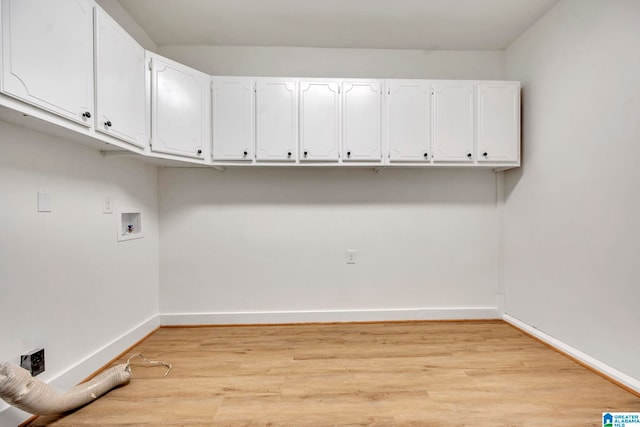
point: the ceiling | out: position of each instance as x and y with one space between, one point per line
378 24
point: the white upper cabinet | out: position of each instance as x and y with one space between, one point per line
498 122
179 109
120 82
276 119
453 123
362 120
233 118
409 120
47 55
319 120
68 63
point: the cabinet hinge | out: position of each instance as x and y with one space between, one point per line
389 91
150 67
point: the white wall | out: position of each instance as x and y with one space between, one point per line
572 263
322 62
268 240
66 284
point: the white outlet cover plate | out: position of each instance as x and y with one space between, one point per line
44 201
108 205
351 256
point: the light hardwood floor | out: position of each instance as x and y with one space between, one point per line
380 374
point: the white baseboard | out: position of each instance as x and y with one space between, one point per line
10 416
278 317
590 361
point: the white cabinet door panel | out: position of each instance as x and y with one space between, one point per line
276 120
453 121
362 120
498 122
48 55
233 118
179 109
120 82
409 124
319 120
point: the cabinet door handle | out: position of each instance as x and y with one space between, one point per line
469 155
107 123
485 154
348 153
244 153
306 153
199 151
288 153
426 155
86 114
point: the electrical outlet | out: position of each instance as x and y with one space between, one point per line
351 256
107 207
33 361
44 201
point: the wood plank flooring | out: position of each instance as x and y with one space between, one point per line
380 374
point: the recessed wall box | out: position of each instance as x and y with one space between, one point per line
129 224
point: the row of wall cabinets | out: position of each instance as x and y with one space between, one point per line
105 84
375 121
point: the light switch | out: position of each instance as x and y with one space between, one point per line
44 201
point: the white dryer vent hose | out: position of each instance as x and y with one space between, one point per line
20 389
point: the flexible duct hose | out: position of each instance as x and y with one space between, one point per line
20 389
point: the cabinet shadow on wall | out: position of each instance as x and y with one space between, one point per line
311 185
513 176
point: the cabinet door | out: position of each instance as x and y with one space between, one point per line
276 120
319 120
179 108
232 118
120 82
498 122
409 120
47 55
362 120
453 122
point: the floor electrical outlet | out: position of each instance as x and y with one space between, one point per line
351 256
33 361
